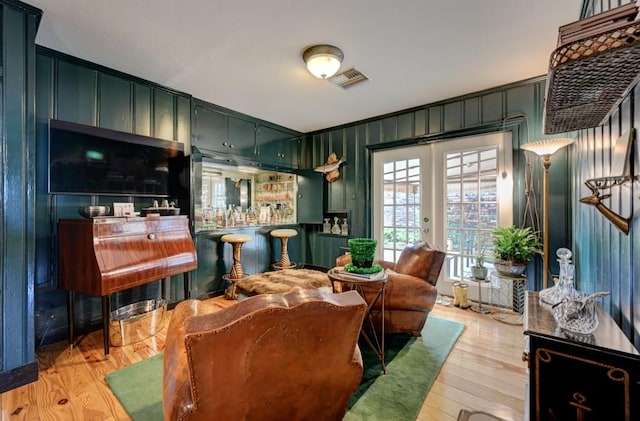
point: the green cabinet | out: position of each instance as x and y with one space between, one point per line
218 132
326 248
241 139
276 147
310 197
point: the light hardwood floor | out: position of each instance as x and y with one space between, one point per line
483 372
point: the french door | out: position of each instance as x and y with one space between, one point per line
451 194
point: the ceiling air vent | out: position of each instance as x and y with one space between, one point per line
348 78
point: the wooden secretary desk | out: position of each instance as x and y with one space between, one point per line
579 377
103 255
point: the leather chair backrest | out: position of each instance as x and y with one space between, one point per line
273 357
421 261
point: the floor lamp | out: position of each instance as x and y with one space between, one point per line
545 148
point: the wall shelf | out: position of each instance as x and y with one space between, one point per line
588 78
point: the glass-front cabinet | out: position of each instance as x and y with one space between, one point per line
237 196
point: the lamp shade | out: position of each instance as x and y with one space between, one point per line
547 146
323 61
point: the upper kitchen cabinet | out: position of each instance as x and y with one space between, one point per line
216 131
277 147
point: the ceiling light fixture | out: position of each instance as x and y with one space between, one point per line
323 60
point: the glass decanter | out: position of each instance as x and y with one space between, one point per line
344 229
554 294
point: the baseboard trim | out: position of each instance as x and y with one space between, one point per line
18 376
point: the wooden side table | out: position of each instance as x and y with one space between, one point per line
376 344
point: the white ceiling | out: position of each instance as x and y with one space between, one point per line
246 55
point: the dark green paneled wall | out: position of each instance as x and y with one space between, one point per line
19 23
74 90
606 259
493 110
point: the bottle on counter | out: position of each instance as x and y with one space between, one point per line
336 228
344 229
219 219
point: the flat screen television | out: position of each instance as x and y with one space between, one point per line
92 160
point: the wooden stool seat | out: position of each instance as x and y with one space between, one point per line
236 238
283 234
236 241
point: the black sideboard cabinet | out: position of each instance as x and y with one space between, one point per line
579 377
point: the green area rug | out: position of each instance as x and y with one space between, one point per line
412 366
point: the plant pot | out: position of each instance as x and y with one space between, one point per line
479 272
509 268
363 251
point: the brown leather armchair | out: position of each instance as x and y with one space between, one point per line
410 293
269 357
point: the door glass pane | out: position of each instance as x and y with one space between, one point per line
472 210
402 212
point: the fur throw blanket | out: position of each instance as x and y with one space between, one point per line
280 281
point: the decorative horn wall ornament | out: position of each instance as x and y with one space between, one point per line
621 164
595 185
331 169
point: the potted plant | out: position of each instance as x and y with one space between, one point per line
478 271
362 251
513 248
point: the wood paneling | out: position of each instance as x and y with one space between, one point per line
420 118
389 129
453 118
435 119
164 117
606 258
18 26
75 90
471 112
115 107
142 109
405 128
76 93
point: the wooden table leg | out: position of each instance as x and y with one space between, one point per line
187 285
106 314
70 317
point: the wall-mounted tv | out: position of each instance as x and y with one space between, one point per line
92 160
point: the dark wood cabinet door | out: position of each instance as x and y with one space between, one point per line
573 383
310 197
277 147
579 377
242 137
210 131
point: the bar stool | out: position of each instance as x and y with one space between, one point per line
283 234
236 241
